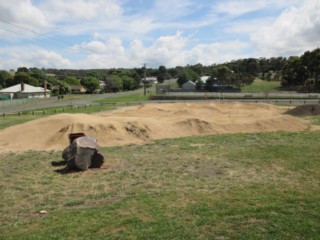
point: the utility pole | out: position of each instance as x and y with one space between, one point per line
145 79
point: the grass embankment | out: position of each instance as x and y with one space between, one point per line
260 86
235 186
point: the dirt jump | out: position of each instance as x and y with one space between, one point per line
145 123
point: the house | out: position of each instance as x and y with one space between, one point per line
78 89
188 86
204 78
23 90
150 80
102 84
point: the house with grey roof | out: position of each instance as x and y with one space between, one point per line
188 86
23 90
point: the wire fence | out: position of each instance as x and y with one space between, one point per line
121 104
47 111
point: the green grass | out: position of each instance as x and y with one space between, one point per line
315 120
262 86
173 84
14 120
233 186
136 97
70 109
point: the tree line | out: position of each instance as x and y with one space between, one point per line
296 73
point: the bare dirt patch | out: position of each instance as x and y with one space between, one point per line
140 124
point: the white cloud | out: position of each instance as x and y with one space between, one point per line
248 27
218 52
174 9
30 56
111 47
239 7
97 36
293 32
126 33
61 17
71 10
24 13
169 50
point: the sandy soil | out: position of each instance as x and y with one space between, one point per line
145 123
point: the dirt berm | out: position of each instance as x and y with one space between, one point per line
305 110
148 122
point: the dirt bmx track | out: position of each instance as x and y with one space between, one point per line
141 124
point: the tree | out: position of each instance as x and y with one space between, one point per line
4 78
199 85
23 69
244 79
162 74
253 67
211 83
38 74
113 83
224 75
91 83
20 77
72 81
128 83
183 78
311 63
198 68
173 72
294 73
63 87
187 75
51 81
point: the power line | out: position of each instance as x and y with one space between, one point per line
26 29
42 35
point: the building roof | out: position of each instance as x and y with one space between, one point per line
204 78
189 83
27 89
77 87
150 79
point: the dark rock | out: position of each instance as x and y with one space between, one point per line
97 160
82 153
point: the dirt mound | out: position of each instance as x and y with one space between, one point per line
145 123
305 110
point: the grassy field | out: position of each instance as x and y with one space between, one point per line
234 186
262 86
137 97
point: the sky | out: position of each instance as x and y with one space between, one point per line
102 34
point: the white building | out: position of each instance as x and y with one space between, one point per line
150 80
204 78
25 91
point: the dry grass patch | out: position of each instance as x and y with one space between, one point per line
232 186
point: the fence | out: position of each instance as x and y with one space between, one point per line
24 101
120 104
44 112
